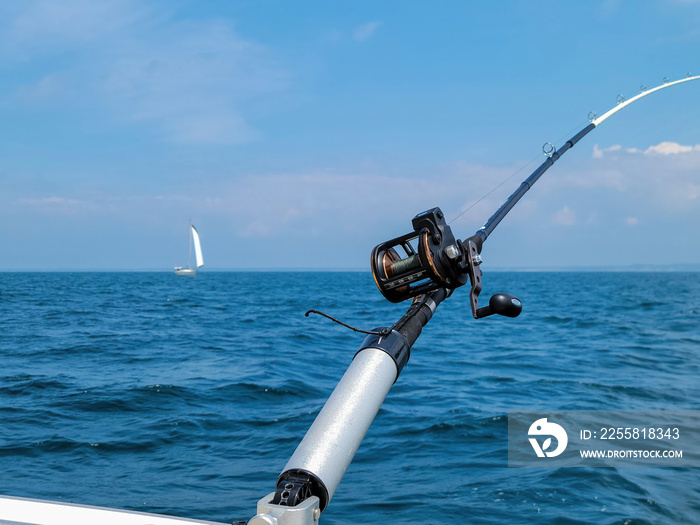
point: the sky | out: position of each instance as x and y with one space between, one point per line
302 134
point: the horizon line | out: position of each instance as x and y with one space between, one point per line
631 267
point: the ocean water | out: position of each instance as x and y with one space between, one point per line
186 396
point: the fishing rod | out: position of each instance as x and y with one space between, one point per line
425 265
442 262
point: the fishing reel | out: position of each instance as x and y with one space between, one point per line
429 258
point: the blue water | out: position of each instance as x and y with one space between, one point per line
186 396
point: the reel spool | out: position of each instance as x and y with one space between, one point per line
421 261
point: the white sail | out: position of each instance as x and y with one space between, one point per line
197 248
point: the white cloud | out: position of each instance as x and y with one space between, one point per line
45 88
300 202
599 153
668 148
366 31
564 217
41 23
193 82
610 7
666 176
323 202
607 176
51 205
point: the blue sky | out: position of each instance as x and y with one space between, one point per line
301 134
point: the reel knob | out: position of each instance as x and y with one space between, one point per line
501 304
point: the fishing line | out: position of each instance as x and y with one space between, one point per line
494 189
557 142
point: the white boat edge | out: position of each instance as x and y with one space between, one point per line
185 271
25 511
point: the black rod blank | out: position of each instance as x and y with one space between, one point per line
497 217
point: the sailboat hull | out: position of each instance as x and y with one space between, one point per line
185 271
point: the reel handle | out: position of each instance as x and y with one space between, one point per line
501 304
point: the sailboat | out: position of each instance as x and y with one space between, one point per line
199 261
